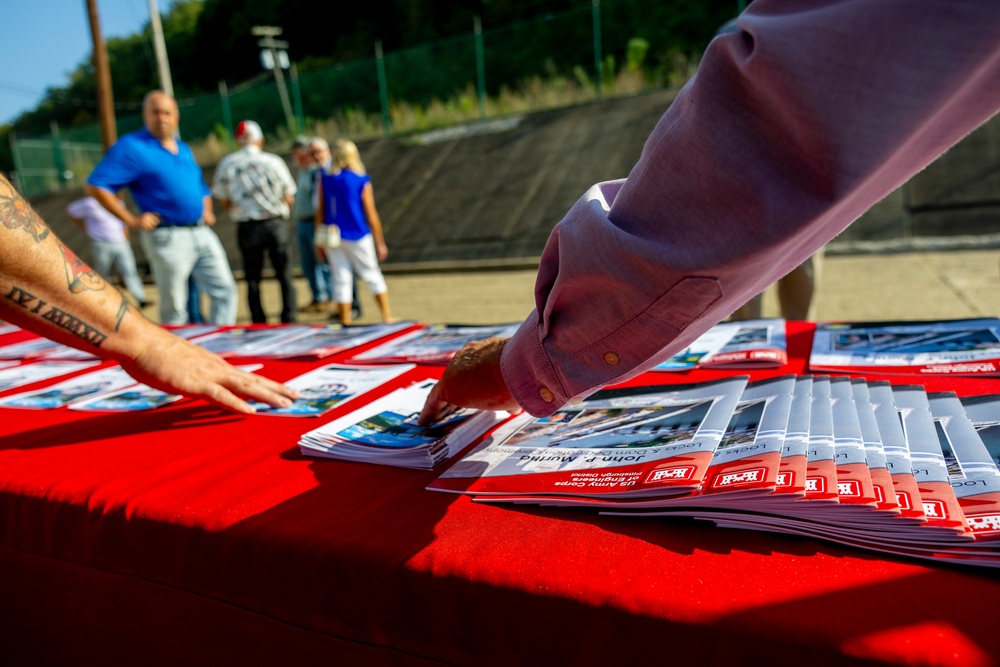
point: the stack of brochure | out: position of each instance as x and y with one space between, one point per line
865 464
435 344
744 344
952 347
385 431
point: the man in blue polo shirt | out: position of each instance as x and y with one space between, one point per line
176 218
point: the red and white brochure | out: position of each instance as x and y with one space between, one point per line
619 443
897 452
854 481
885 494
952 347
972 469
940 505
791 479
821 466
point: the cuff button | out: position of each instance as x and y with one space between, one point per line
612 359
546 394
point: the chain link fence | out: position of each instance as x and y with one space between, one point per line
455 80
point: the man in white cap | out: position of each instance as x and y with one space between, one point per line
257 190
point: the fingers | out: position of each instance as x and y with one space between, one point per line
432 407
261 389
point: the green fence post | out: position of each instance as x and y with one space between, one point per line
383 89
15 153
477 27
57 155
597 48
297 98
227 112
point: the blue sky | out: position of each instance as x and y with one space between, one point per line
44 40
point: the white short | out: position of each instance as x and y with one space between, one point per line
356 257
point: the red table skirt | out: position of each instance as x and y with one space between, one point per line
191 535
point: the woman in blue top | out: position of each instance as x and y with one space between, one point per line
346 204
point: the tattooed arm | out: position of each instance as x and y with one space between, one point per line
46 288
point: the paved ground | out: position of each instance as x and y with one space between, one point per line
904 286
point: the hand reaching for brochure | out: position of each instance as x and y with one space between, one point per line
178 366
472 380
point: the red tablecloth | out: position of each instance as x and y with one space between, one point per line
188 535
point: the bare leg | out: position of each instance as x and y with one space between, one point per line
345 312
797 290
750 310
383 304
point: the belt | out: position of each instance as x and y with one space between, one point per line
180 225
240 222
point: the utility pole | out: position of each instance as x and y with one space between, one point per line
102 80
160 49
272 47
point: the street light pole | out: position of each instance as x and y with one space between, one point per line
160 49
272 45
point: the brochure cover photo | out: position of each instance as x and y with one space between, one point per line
435 344
953 347
742 344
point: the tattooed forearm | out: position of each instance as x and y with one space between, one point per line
122 309
56 316
79 276
16 213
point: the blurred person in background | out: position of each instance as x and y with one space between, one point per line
310 156
176 215
108 244
257 190
349 230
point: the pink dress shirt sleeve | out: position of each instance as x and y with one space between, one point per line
791 129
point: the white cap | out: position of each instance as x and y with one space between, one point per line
248 131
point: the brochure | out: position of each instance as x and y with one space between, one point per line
742 344
619 443
972 461
64 393
319 342
386 432
897 452
25 374
33 348
929 468
885 496
245 342
749 456
135 397
436 344
324 388
854 480
792 472
954 347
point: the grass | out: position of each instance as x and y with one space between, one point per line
533 94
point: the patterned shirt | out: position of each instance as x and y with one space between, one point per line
255 183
